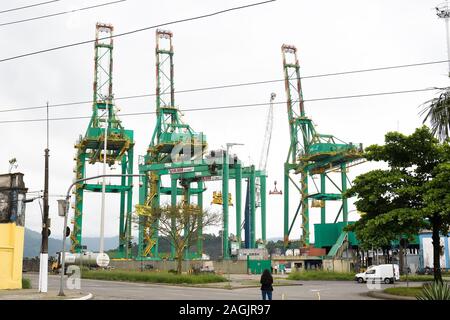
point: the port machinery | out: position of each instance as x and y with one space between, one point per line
177 165
90 147
313 154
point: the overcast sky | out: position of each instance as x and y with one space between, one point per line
236 47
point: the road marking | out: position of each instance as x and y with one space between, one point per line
87 297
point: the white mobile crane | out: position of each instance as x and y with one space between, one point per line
265 148
261 166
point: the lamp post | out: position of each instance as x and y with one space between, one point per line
443 12
102 215
63 208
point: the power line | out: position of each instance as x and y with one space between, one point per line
134 31
376 69
372 94
60 13
29 6
228 86
229 106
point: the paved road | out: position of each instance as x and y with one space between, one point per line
309 290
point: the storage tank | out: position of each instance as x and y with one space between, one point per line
88 259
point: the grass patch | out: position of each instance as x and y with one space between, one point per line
404 291
417 278
421 278
321 275
152 277
26 283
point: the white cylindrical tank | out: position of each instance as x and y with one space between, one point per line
88 259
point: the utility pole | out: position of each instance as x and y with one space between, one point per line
443 12
43 270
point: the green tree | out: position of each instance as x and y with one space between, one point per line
437 110
437 208
178 224
398 201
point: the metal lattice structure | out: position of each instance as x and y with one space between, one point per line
177 151
169 133
90 147
310 154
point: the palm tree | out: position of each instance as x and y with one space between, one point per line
437 110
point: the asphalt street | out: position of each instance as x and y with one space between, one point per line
307 290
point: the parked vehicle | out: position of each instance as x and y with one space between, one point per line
207 267
387 273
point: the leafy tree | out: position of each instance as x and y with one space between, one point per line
437 209
399 201
178 224
437 110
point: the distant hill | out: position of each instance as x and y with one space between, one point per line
32 246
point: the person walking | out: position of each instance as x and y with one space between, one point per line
266 285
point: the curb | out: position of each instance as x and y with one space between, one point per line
87 297
386 296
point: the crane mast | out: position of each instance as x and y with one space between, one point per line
311 153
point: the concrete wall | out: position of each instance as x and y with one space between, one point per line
234 267
426 251
33 265
337 265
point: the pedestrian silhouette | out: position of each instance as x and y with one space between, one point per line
266 285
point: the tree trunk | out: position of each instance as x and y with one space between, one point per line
436 250
179 261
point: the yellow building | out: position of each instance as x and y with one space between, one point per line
11 255
12 231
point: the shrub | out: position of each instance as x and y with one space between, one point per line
26 283
435 291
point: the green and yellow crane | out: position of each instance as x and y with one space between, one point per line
91 146
311 154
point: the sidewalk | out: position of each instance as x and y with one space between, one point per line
33 294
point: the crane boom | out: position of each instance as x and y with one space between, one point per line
265 148
267 136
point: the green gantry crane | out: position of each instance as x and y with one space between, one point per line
177 151
90 148
170 134
311 153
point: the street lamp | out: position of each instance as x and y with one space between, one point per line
105 150
63 210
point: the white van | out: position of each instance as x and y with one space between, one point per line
387 273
